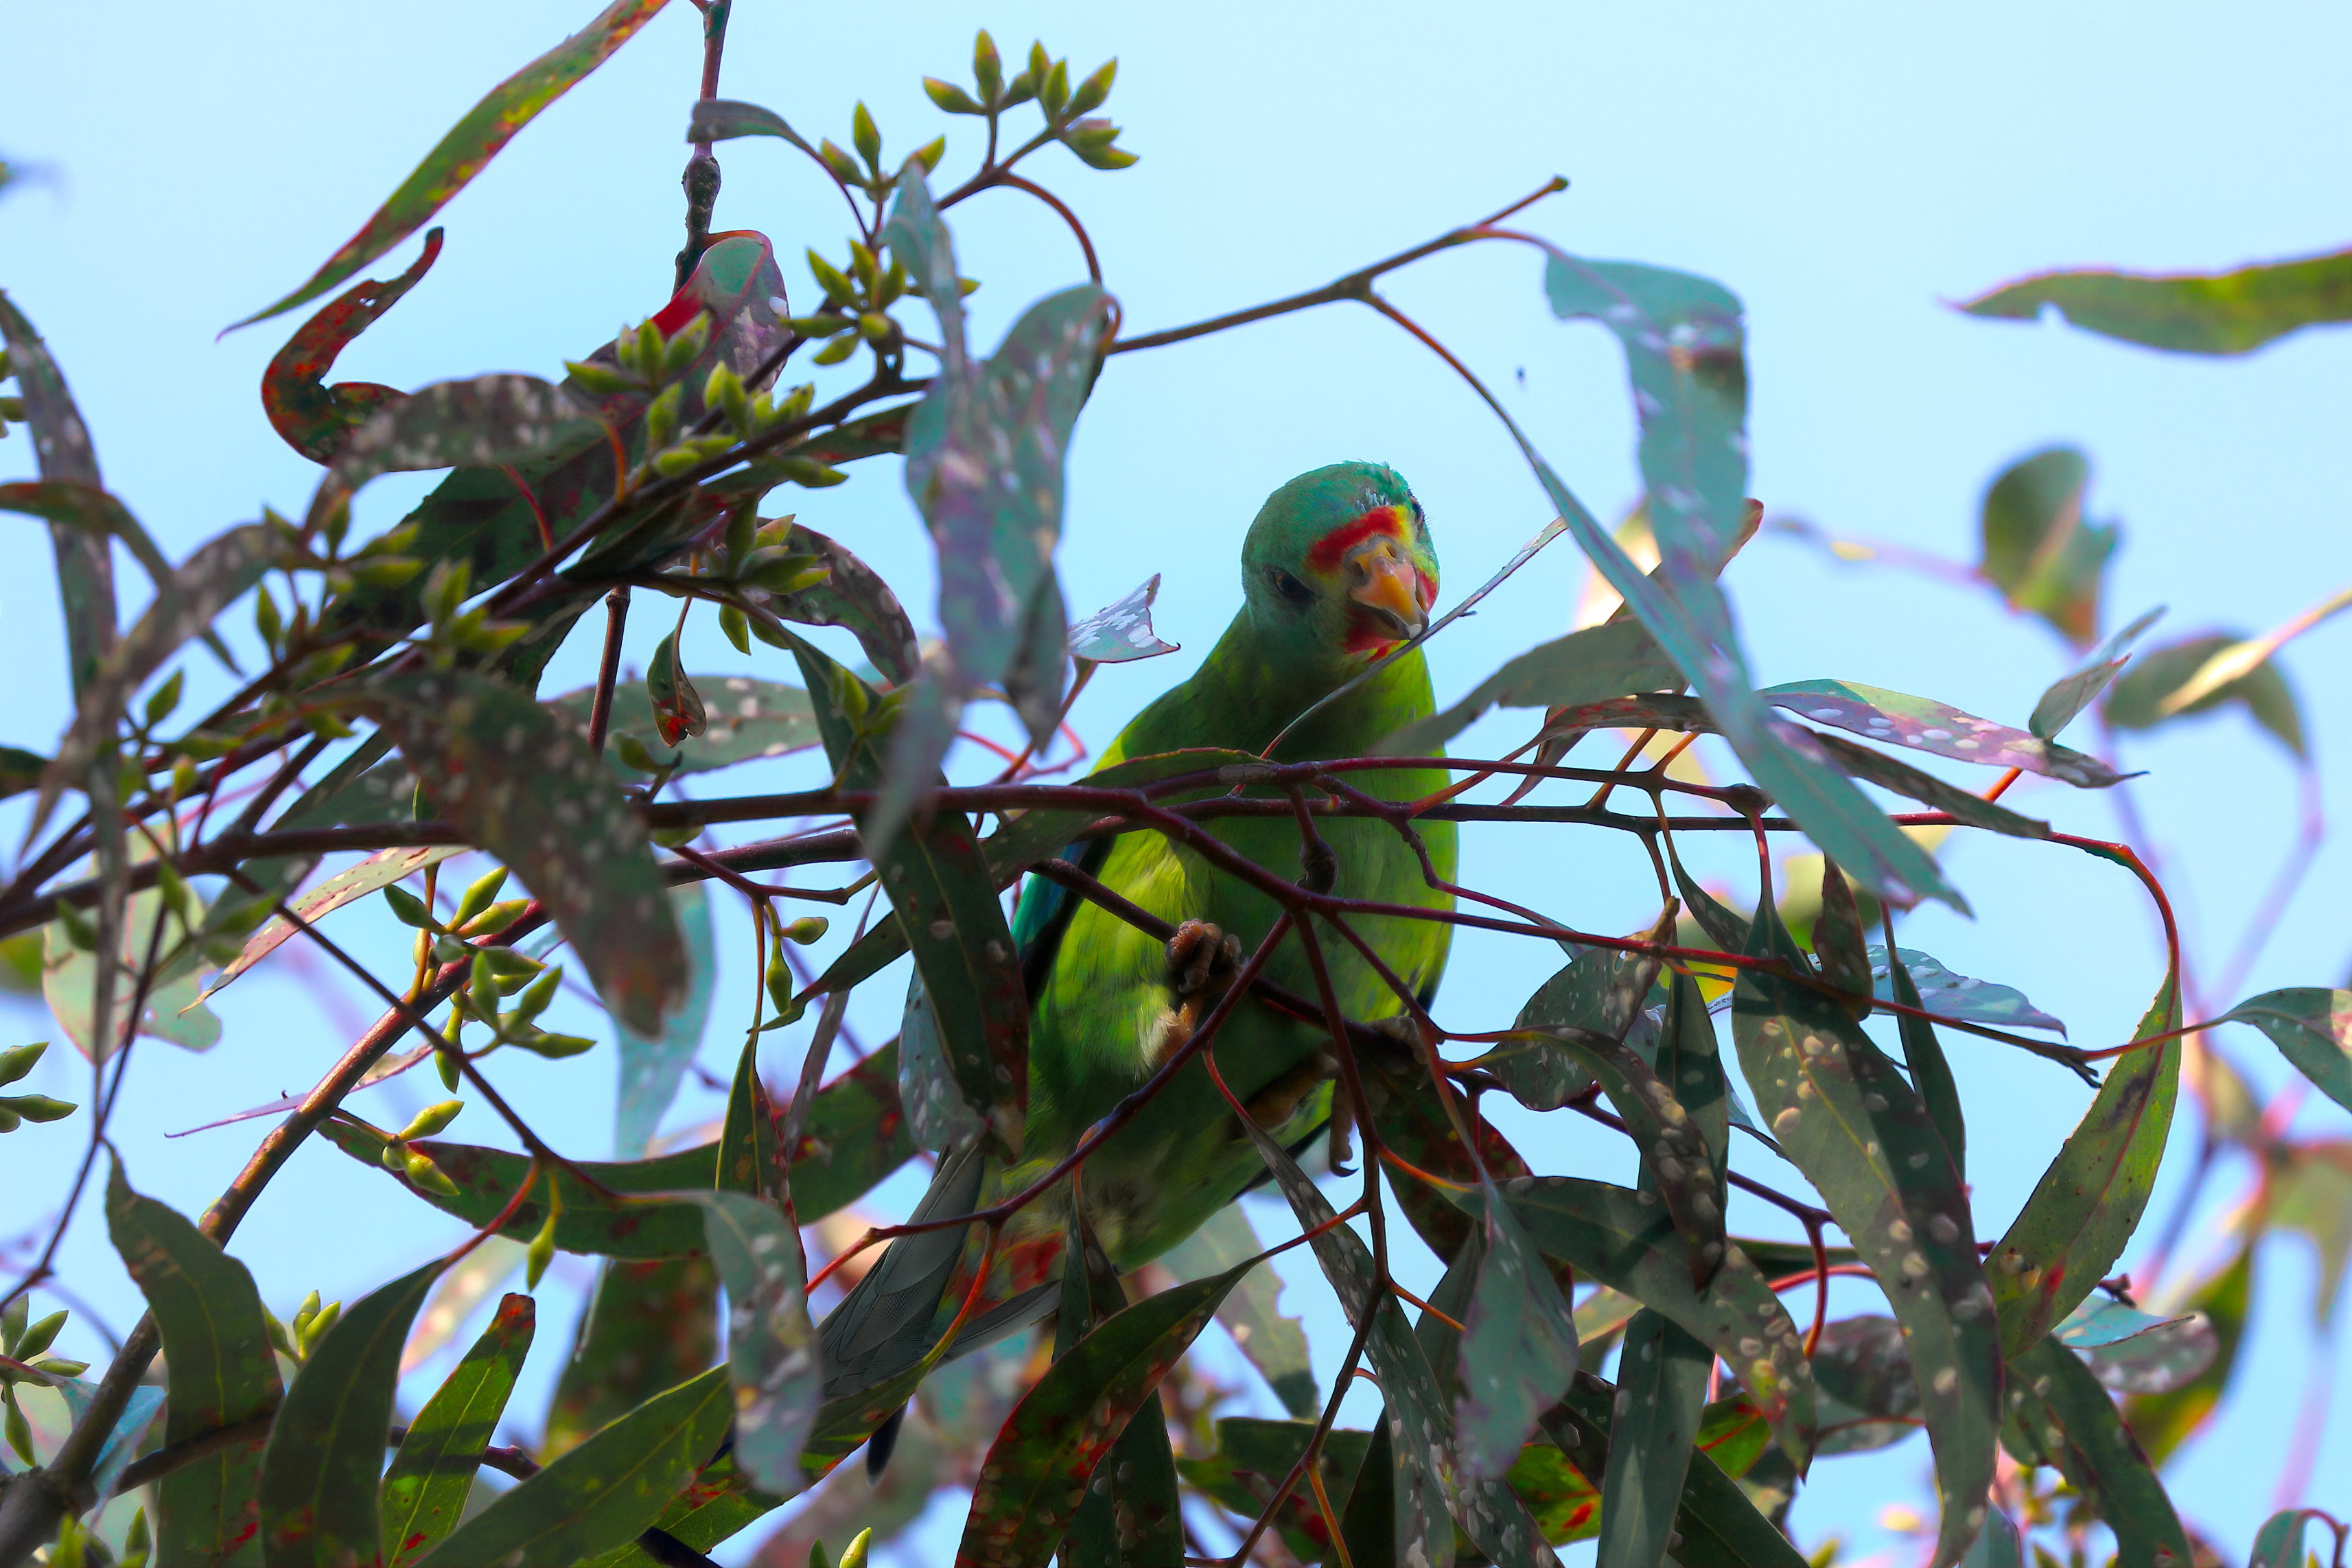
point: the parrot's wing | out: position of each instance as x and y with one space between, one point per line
883 1325
1045 912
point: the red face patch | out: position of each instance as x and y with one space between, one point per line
1333 548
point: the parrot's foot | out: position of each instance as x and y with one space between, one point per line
1202 963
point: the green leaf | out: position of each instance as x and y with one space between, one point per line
218 1368
1518 1350
1623 1238
856 1135
313 417
1254 1456
2162 1422
853 596
1612 660
1845 1117
2070 695
1926 725
1997 1546
2139 700
488 420
603 1494
2086 1204
1038 1467
526 788
1957 997
1120 634
472 142
61 446
678 713
748 719
432 1473
1662 1392
69 977
2279 1542
1870 1393
650 1326
2231 312
2058 1415
2134 1352
374 874
750 1160
652 1067
943 896
2040 550
1272 1340
770 1347
1923 1055
325 1451
1859 761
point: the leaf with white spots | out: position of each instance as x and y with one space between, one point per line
747 719
1037 1468
1899 718
770 1345
2089 1201
378 872
1845 1116
1519 1349
2312 1027
1869 1395
2134 1352
483 422
1959 996
2057 1414
1120 634
853 596
1662 1377
524 786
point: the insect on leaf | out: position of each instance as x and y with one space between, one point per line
432 1472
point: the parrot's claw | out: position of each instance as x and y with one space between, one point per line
1203 960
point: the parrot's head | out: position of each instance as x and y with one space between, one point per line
1338 567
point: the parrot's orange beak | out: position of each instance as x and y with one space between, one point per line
1382 579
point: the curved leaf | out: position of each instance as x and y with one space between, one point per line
2232 312
1845 1117
374 874
748 719
2312 1027
1951 996
312 416
1926 725
2086 1204
326 1448
2143 698
527 788
2279 1542
1923 1055
432 1472
61 446
1272 1340
603 1494
2162 1422
2058 1415
471 143
2132 1352
219 1371
853 596
2071 693
487 421
770 1347
1121 634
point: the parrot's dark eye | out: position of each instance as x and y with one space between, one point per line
1292 588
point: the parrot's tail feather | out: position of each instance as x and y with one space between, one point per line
883 1326
1010 1317
878 1447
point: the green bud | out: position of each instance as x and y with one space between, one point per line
15 1065
303 1314
445 1062
553 1046
427 1176
393 1157
12 1321
687 347
987 68
266 619
634 755
183 778
535 996
949 96
598 380
431 1119
741 535
138 1541
808 928
866 138
34 1108
482 981
675 461
40 1336
862 265
735 627
1091 92
644 355
541 1251
808 471
80 930
496 919
1053 90
875 327
480 895
894 276
840 164
854 1557
19 1430
724 391
176 896
930 153
409 909
671 838
449 950
662 416
387 571
1091 140
818 325
797 401
279 1340
512 967
840 348
61 1366
166 698
308 1335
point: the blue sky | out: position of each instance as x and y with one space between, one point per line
1845 169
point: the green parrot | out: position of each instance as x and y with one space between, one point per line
1335 570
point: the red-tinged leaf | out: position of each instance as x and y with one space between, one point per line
856 1135
2087 1204
526 788
374 874
432 1472
2059 1414
853 596
471 143
1037 1468
325 1452
1844 1117
2232 312
605 1491
678 707
1254 1456
219 1370
312 416
1926 725
651 1324
61 446
1121 634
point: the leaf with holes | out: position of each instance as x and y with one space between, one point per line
2087 1204
1845 1117
472 142
432 1472
218 1370
856 1135
2312 1027
374 874
2058 1415
319 1468
770 1347
312 416
1120 634
678 708
1926 725
1039 1466
1612 660
605 1491
2232 312
526 788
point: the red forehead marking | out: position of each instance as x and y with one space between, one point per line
1333 548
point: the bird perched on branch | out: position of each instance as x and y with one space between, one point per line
1336 570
